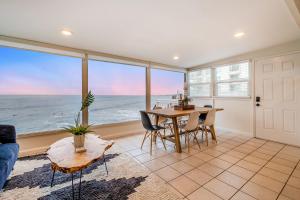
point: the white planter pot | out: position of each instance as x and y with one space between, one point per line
79 141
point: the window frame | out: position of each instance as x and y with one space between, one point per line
248 80
210 83
214 82
86 55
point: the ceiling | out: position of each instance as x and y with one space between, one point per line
197 31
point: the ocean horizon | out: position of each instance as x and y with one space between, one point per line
38 113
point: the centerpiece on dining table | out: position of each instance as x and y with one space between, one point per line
183 104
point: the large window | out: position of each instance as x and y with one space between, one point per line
38 91
165 86
232 80
199 83
221 81
120 92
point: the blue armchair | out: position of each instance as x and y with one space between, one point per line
9 150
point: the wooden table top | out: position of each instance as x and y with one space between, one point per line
170 112
64 158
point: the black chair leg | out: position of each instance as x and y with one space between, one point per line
105 165
73 195
52 178
80 184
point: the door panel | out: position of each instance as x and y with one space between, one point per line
277 82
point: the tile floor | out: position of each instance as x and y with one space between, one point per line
237 167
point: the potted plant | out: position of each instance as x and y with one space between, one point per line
186 100
79 130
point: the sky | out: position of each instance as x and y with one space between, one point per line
24 72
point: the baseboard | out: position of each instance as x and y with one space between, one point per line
235 131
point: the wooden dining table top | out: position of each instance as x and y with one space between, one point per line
170 112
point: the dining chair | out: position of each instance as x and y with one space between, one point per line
164 122
208 122
202 116
191 129
152 131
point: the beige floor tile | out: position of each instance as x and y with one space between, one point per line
267 151
191 152
236 154
168 159
284 162
254 144
255 160
159 153
212 152
184 185
282 197
182 167
180 156
296 173
294 181
137 152
221 148
239 171
248 165
280 168
274 174
144 157
232 179
155 164
204 156
212 170
242 196
259 192
267 182
260 141
220 163
227 145
233 142
242 149
229 158
203 194
173 190
221 189
198 176
292 158
291 150
273 146
167 173
291 192
193 161
261 155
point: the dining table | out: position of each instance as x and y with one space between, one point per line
173 114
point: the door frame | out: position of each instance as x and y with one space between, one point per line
253 80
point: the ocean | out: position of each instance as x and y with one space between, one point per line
36 113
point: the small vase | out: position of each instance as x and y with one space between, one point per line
79 141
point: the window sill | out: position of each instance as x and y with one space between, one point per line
60 131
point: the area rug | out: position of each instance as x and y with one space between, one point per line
126 179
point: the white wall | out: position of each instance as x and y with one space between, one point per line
236 115
238 112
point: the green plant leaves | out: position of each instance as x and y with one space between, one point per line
88 100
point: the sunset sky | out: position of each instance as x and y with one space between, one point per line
32 73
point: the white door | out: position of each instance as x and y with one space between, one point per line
277 83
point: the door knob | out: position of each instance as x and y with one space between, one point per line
257 104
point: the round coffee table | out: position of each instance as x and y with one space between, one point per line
64 158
